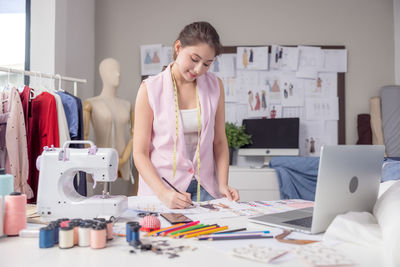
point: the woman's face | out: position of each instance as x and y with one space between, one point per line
193 61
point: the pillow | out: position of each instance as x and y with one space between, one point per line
387 213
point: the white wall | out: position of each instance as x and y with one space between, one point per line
396 14
365 27
62 40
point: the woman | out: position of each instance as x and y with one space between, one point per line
179 131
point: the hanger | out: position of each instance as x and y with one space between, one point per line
58 76
34 92
75 88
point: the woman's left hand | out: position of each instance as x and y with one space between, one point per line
229 192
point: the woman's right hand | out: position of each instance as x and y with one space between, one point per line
175 200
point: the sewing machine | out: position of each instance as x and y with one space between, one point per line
57 197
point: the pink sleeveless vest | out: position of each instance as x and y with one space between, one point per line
160 92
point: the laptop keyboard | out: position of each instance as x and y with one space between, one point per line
304 222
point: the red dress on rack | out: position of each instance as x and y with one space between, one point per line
41 130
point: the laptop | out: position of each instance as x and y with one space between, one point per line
348 180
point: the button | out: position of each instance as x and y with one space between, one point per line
191 170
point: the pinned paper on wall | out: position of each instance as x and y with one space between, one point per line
166 55
246 82
151 59
322 108
252 58
334 60
224 66
310 61
230 90
292 91
311 137
324 86
284 58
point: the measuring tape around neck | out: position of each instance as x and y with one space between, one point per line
177 129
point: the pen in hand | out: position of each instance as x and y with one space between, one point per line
173 187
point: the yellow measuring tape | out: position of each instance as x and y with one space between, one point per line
177 129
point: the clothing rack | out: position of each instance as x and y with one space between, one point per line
46 75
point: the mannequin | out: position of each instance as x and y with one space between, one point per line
110 117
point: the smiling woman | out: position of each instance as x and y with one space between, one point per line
180 125
13 14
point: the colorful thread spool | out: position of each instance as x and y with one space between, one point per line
15 213
66 237
98 236
128 230
6 183
84 235
46 237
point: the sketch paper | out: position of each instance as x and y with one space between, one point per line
246 82
311 137
334 60
322 108
224 66
284 58
293 112
292 91
275 111
151 59
252 58
310 61
324 86
230 90
166 55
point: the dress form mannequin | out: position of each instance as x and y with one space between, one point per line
110 117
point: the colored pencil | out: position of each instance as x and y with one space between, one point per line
242 233
232 231
207 231
194 227
178 228
206 227
176 190
234 237
153 233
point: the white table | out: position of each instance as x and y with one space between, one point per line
17 251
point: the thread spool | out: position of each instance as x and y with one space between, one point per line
66 237
56 226
84 235
6 183
6 188
64 223
46 237
1 216
135 233
75 226
15 213
128 230
110 225
98 236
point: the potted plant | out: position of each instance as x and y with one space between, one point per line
237 137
